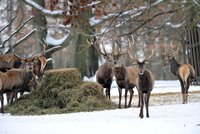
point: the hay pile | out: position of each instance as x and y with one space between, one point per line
61 91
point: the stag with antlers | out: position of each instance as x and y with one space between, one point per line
104 75
126 77
184 72
36 62
145 80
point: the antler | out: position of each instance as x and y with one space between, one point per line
171 52
13 51
174 52
130 47
149 57
93 41
43 50
32 58
119 51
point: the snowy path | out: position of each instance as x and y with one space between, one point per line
177 119
164 119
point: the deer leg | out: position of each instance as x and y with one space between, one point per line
2 100
141 105
109 92
184 94
138 99
182 91
120 96
187 88
126 92
131 96
15 95
147 96
8 97
11 98
21 93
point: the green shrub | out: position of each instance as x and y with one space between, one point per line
61 91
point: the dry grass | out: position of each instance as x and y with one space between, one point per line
164 98
62 91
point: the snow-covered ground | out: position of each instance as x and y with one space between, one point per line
165 119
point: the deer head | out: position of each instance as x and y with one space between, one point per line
169 56
30 62
112 57
140 62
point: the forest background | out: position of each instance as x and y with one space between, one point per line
149 24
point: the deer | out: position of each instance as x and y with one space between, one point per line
104 74
13 79
36 63
185 73
10 60
145 80
126 77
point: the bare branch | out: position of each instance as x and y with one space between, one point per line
148 20
9 23
17 30
25 37
51 50
197 3
43 10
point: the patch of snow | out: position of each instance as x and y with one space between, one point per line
178 119
52 41
160 86
165 119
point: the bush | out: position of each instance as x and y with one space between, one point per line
62 91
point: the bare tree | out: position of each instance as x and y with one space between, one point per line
145 20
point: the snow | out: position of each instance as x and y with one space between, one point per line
45 11
165 119
160 86
177 25
55 42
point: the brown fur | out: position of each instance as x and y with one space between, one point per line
12 80
40 66
186 73
104 76
146 84
9 61
126 77
132 75
36 65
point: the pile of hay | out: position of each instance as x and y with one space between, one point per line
62 91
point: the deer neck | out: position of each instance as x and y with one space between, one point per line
174 67
120 71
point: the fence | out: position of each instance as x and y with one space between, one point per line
191 41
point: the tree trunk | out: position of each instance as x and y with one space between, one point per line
40 23
84 58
